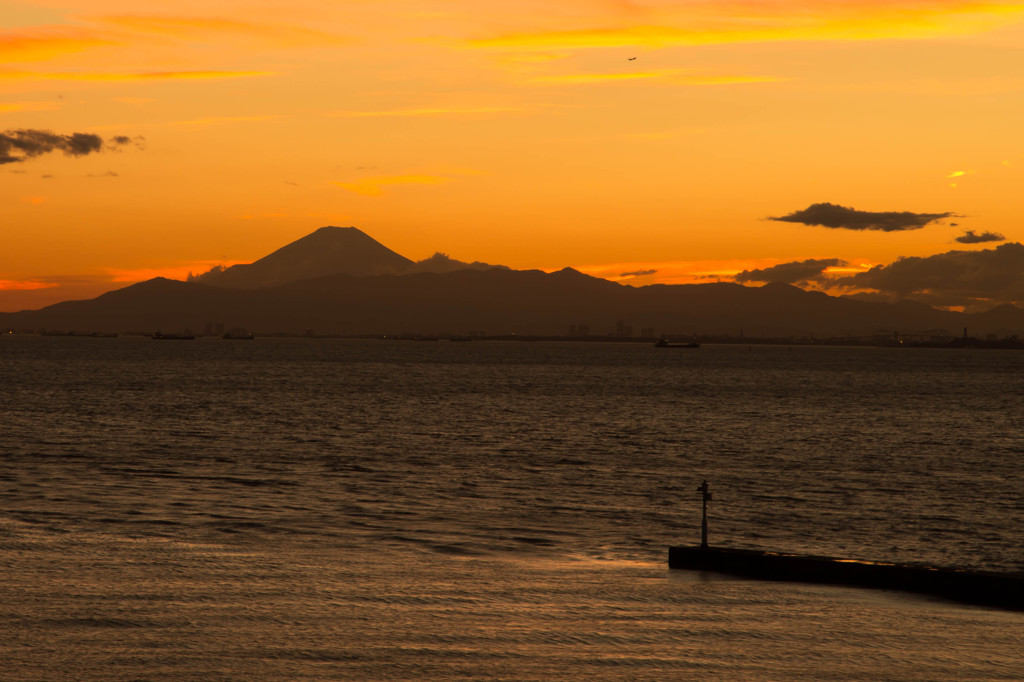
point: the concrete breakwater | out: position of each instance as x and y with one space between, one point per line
1001 590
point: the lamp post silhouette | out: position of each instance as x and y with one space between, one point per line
705 496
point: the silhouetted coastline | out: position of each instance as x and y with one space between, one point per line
696 341
340 283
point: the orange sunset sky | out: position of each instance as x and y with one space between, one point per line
644 141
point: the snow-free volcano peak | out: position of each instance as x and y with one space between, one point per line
327 251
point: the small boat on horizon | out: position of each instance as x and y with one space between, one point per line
173 337
665 343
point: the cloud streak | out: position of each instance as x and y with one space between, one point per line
671 76
972 237
374 187
972 279
25 285
670 272
791 273
216 29
13 107
222 120
425 111
746 21
841 217
115 77
48 42
41 43
20 145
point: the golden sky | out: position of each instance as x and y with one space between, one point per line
640 140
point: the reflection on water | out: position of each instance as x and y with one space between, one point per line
325 509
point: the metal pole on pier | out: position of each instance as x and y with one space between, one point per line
705 496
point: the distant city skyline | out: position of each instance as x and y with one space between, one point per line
862 146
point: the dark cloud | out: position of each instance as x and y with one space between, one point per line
18 145
638 273
790 273
121 140
441 262
974 279
841 217
971 237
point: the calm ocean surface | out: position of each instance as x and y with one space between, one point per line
328 509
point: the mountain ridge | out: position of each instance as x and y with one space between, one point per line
489 299
328 251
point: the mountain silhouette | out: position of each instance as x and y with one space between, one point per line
327 251
340 281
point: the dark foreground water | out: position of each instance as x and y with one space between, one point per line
311 509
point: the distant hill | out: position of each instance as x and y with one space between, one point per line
328 251
499 301
340 281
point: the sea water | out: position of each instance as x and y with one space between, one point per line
336 509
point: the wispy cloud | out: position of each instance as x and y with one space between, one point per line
820 273
375 186
692 24
956 176
12 107
425 111
49 42
660 136
25 284
222 120
793 272
977 86
37 43
670 272
142 39
216 28
113 76
671 76
638 273
262 216
179 271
